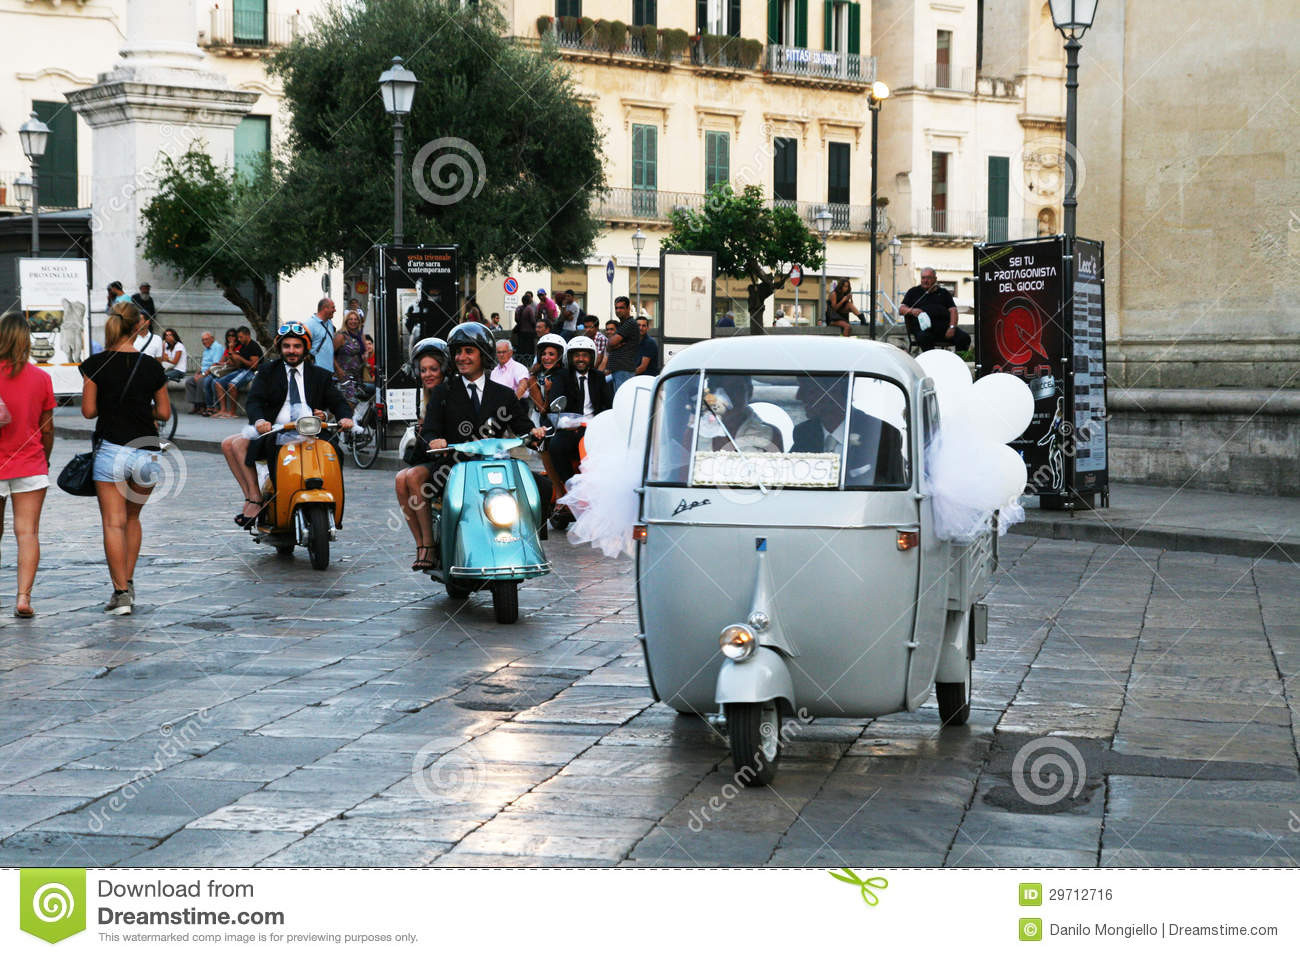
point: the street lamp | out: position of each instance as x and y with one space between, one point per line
638 243
1072 18
823 219
397 84
879 93
33 135
23 190
895 258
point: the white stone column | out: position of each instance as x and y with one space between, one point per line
158 101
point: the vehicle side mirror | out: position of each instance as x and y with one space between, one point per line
560 403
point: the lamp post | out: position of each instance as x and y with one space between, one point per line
879 93
895 257
397 85
823 219
33 135
1072 18
23 190
638 243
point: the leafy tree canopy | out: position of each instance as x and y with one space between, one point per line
752 241
528 145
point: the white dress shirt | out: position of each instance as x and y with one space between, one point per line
586 393
286 413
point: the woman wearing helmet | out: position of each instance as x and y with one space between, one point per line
547 373
428 359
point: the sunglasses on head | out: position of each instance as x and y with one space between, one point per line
292 329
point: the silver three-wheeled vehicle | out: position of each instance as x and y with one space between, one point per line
787 562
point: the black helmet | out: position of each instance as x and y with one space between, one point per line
477 335
432 346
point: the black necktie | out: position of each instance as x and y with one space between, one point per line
582 395
295 396
473 395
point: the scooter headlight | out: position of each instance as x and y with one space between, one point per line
501 508
308 425
737 642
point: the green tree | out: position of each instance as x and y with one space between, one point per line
752 241
191 227
520 154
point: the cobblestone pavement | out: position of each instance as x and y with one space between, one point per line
254 711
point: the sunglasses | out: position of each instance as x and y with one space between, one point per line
292 329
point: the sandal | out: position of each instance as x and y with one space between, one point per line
422 564
245 521
24 612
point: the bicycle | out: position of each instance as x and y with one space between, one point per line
364 445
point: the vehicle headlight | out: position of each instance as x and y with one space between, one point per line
308 425
737 642
759 621
501 508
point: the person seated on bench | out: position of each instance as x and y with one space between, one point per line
933 300
245 358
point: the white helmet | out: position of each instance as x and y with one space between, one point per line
551 339
581 342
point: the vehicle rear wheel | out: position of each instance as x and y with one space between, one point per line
755 734
505 602
318 541
457 591
167 430
954 700
366 449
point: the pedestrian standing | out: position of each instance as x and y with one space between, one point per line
25 445
144 301
624 344
322 330
525 334
126 392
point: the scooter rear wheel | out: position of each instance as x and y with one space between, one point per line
318 545
755 734
457 592
505 602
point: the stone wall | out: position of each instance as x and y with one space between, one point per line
1236 440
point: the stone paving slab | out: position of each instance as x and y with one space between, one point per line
254 711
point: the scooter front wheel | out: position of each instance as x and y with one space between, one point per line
505 602
318 542
755 734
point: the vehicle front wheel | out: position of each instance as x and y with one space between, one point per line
318 542
505 602
755 734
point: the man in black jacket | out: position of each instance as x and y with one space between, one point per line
875 447
469 405
589 393
282 391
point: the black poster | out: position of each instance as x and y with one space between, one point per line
1020 328
1088 386
420 298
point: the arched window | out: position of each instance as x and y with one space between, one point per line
1047 222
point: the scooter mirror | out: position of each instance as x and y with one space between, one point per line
308 425
560 404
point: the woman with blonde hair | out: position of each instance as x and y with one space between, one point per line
126 391
25 443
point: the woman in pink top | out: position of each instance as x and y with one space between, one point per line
25 445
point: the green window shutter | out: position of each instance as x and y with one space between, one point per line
855 27
717 158
828 18
733 18
801 23
837 173
701 16
252 140
999 189
58 169
785 169
250 21
773 21
645 172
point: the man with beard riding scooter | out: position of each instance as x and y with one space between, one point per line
588 394
282 390
469 405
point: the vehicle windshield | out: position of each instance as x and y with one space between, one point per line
815 430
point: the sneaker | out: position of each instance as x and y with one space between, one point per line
130 589
119 604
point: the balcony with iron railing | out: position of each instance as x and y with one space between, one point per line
945 77
51 199
799 64
248 33
966 226
623 205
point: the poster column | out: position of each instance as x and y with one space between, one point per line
419 297
54 295
686 300
1088 412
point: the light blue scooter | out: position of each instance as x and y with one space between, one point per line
486 531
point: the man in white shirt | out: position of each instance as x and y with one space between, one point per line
510 373
148 343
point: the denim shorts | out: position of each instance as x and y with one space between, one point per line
118 463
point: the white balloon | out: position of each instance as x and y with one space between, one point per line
1001 407
952 383
635 391
1012 471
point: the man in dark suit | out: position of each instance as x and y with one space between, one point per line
282 391
469 405
875 447
588 393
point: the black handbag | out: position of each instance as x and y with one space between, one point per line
78 476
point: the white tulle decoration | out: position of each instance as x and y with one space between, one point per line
602 496
972 471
